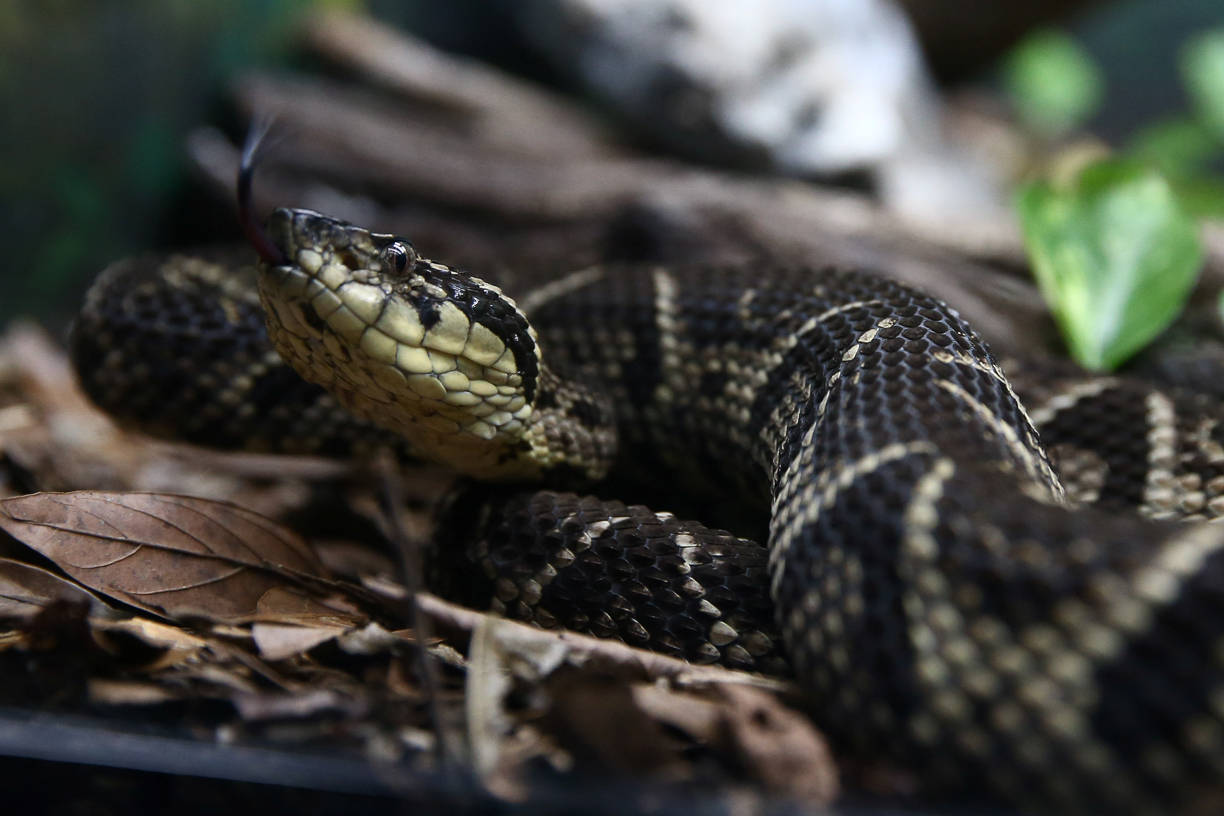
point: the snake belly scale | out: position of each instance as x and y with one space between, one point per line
942 600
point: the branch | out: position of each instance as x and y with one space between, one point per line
609 655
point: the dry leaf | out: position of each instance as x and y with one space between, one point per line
353 560
373 639
171 555
298 706
177 645
488 681
496 657
225 680
279 641
774 746
290 623
53 438
155 634
285 605
10 639
26 589
777 745
597 719
103 691
697 716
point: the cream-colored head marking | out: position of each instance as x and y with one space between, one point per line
437 356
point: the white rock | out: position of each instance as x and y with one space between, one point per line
815 86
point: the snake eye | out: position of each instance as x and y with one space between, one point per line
395 258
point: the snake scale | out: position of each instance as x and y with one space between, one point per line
945 603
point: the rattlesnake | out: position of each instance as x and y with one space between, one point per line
944 602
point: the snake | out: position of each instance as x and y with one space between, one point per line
1002 596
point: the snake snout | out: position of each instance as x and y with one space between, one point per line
307 238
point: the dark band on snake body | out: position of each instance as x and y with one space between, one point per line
936 594
176 347
560 560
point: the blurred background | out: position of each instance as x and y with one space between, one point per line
99 99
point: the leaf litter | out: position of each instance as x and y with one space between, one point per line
170 583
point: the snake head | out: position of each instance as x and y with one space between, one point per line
430 352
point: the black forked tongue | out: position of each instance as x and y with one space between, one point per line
254 231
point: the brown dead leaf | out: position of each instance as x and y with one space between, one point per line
53 438
695 715
773 745
175 556
598 721
777 745
582 715
278 641
284 605
353 560
499 750
25 590
290 623
155 634
225 680
105 691
373 639
306 704
176 645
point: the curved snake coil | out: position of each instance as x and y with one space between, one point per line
936 591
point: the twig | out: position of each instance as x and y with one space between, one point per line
392 497
610 655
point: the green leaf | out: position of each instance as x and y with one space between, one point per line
1183 149
1201 196
1114 255
1179 147
1053 83
1202 68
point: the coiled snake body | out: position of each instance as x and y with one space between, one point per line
935 591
